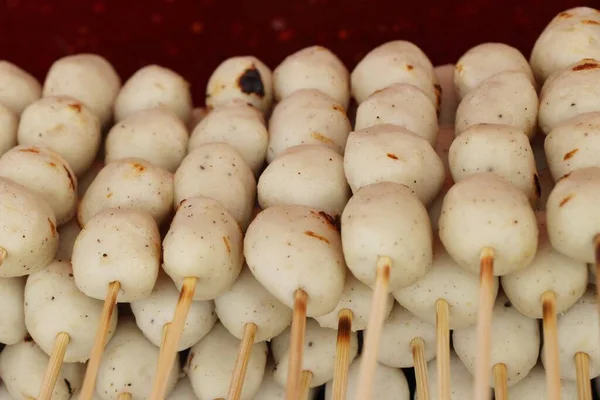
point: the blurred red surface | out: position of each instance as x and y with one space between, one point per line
193 36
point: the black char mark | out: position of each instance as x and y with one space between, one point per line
69 388
250 82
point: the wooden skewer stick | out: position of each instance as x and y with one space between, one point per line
54 366
342 356
368 362
582 368
597 254
551 345
500 382
125 396
89 382
241 362
486 308
292 390
168 353
165 331
305 379
442 324
417 346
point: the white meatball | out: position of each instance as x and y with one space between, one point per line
152 86
388 153
501 149
573 216
247 301
307 117
270 390
295 247
8 128
534 387
245 78
461 387
394 62
54 305
27 231
87 77
308 175
445 280
217 171
577 331
399 329
487 59
64 125
153 312
117 245
569 92
572 35
507 98
46 174
445 77
549 271
211 361
12 318
128 365
574 144
205 242
319 353
389 383
128 184
154 134
515 342
400 104
485 210
23 367
313 67
18 88
356 297
386 219
239 125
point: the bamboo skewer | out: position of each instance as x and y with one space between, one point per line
582 365
551 345
241 363
89 382
168 353
486 306
418 351
443 348
500 382
376 320
342 357
296 345
54 366
305 379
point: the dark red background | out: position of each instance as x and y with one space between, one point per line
193 36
